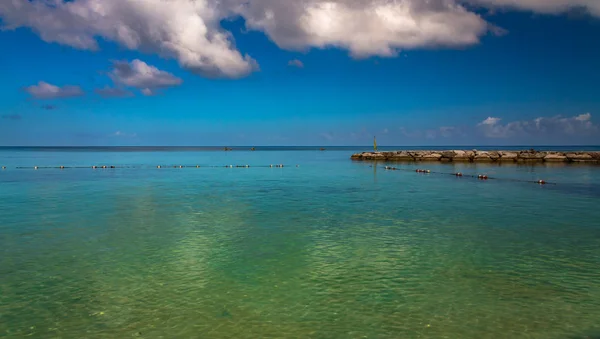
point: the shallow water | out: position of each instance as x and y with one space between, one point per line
329 249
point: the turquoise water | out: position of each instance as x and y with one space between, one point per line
329 249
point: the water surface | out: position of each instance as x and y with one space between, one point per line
329 249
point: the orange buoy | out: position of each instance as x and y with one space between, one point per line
541 182
459 174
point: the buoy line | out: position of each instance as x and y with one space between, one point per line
148 167
460 175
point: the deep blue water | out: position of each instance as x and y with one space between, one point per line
322 248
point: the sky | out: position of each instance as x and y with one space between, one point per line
299 72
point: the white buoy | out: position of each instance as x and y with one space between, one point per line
35 167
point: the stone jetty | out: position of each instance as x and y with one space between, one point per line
482 156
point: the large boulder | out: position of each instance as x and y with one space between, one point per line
555 157
482 156
531 156
507 156
403 156
448 154
462 155
431 157
580 157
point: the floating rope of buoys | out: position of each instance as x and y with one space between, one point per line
483 177
62 167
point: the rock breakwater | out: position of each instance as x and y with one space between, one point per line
482 156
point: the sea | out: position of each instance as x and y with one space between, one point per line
294 242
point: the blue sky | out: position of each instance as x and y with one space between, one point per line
485 75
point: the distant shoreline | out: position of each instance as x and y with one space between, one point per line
504 156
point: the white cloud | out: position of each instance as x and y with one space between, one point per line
364 27
185 30
142 76
44 90
580 125
296 63
584 117
190 31
147 92
490 121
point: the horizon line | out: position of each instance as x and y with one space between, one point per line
322 146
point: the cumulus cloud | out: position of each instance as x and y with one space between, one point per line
147 92
142 76
364 27
44 90
188 31
296 63
11 117
580 125
113 92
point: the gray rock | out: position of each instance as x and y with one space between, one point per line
462 155
431 157
555 157
482 156
507 156
580 157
